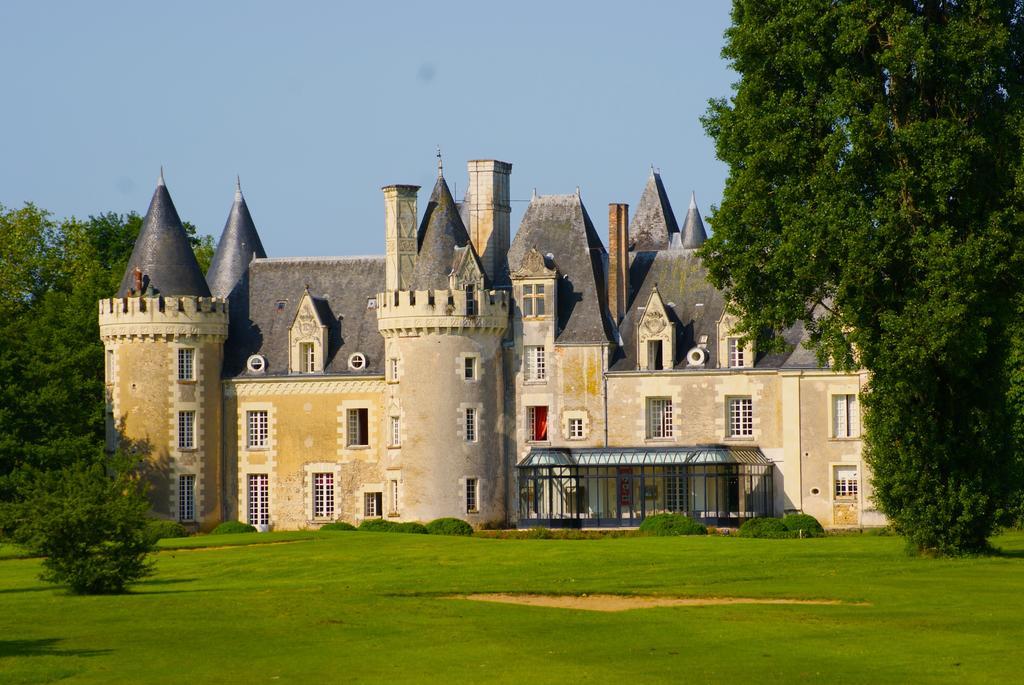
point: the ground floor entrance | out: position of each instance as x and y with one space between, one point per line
606 487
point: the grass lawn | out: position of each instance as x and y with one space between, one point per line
372 607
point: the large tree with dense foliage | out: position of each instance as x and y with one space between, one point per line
876 191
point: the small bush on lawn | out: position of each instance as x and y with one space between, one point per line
765 528
337 525
158 529
803 522
411 527
230 527
377 526
672 524
449 526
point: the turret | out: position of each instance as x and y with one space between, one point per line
694 234
163 337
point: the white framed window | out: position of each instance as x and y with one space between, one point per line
659 418
372 504
846 482
537 424
469 368
736 357
257 429
256 363
470 424
396 431
741 417
845 416
533 300
575 429
259 499
393 369
357 427
471 496
394 497
187 497
357 361
323 495
307 357
186 364
536 366
186 430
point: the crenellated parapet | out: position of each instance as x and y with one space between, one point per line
409 312
163 318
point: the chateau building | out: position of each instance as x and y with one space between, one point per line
544 380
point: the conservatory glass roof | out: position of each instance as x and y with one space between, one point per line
634 456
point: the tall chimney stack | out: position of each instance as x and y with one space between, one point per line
489 216
399 235
618 259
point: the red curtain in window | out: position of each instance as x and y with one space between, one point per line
540 423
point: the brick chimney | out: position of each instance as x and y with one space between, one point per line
618 260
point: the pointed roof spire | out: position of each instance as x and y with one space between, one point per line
654 222
239 243
163 252
694 234
440 233
160 181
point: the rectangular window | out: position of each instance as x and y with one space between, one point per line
259 499
470 300
846 482
258 429
536 367
654 355
372 504
307 356
735 353
187 498
393 369
471 505
469 368
323 495
186 364
533 300
470 424
396 431
659 418
394 497
358 428
537 423
741 417
575 429
845 416
186 430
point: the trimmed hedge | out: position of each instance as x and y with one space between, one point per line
414 527
229 527
763 527
672 524
337 525
803 522
449 526
158 529
377 526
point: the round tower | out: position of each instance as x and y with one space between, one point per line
164 338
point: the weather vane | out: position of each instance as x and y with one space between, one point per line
440 167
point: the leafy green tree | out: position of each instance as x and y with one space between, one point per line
876 192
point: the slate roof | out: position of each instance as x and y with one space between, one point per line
341 288
163 252
558 225
694 234
653 223
238 244
440 232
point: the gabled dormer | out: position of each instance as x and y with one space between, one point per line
656 342
307 337
733 351
534 283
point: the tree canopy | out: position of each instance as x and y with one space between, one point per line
876 191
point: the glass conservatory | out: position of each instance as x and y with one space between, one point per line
604 487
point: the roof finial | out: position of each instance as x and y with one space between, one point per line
160 181
534 193
238 187
693 200
440 166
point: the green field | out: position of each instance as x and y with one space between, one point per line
365 607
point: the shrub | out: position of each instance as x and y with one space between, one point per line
765 528
803 522
158 529
538 533
672 524
411 527
377 526
337 525
229 527
449 526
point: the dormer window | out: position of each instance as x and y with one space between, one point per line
308 336
307 353
470 300
736 356
533 299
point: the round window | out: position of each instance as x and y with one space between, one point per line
696 356
357 362
257 363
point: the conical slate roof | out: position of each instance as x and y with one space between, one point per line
441 231
163 253
238 244
694 234
653 223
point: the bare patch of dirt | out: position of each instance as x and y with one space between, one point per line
628 602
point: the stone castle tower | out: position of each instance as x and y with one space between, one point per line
443 316
164 339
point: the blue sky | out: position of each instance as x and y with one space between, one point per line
318 105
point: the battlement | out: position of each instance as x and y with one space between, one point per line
164 317
403 312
